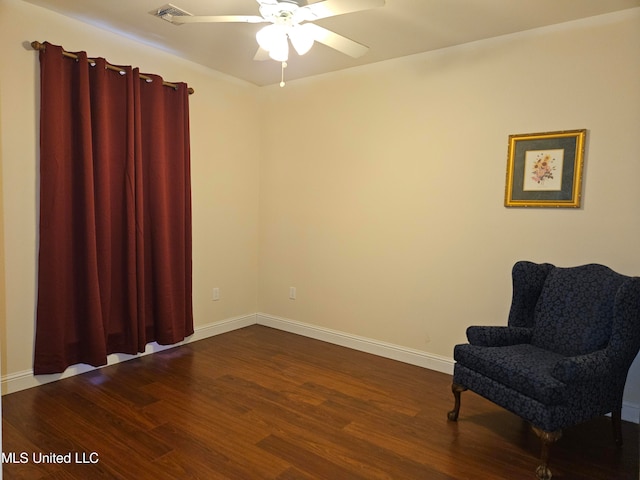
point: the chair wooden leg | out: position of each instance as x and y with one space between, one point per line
457 390
616 423
548 438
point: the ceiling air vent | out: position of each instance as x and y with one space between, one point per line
168 11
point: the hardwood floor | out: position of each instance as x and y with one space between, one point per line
259 403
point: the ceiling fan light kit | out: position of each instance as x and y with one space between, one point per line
286 19
273 39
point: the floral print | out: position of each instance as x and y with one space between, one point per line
543 168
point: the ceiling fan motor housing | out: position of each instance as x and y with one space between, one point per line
281 13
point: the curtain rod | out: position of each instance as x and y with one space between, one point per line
40 46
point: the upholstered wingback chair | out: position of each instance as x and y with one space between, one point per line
563 359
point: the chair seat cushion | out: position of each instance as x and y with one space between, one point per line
524 368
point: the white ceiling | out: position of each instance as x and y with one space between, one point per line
400 28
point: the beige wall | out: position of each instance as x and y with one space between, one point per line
224 149
382 187
377 191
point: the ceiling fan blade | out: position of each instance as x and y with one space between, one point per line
179 20
261 55
336 41
331 8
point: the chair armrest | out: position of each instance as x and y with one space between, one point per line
498 336
584 368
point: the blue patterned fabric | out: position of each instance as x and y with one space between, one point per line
574 312
523 367
499 336
528 280
571 337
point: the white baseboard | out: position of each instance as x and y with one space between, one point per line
26 379
23 380
363 344
630 412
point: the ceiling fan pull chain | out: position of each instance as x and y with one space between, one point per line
284 65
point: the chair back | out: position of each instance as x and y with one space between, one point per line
575 311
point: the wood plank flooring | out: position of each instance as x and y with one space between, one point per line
259 403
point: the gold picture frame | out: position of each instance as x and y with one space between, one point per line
545 169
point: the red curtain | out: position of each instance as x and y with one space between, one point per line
114 267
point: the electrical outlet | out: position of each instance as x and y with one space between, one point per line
216 294
292 293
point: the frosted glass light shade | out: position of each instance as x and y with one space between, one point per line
301 38
267 35
280 50
273 38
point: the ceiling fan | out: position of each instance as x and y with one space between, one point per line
289 20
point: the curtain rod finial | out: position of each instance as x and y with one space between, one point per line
36 45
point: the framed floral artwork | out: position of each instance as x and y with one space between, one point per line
545 169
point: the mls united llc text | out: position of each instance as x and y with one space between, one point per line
39 457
